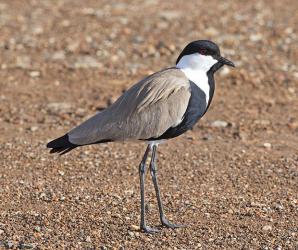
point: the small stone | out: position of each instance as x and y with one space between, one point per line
291 90
72 47
34 74
262 122
211 31
84 62
58 55
267 145
88 239
170 15
23 62
256 37
59 107
134 228
131 234
138 39
27 245
9 244
65 23
37 30
1 231
279 207
34 128
42 195
151 50
88 11
37 229
267 228
219 124
60 172
225 71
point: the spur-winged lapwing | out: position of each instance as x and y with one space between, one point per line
162 106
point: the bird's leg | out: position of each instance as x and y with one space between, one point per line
163 219
142 172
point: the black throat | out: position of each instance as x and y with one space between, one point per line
211 82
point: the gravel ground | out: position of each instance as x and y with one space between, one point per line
233 179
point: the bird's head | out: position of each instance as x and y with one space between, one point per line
202 55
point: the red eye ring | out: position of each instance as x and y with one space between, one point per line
203 51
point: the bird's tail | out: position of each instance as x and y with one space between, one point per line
61 145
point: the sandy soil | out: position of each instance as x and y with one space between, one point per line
233 179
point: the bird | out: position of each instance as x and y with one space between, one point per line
160 107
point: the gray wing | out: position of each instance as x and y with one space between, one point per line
145 111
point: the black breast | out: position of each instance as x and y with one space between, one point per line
195 110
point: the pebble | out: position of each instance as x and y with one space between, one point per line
59 107
23 62
267 145
211 31
279 207
255 37
225 71
134 228
1 231
131 234
219 124
9 244
267 228
34 74
84 62
170 15
73 46
60 172
58 55
34 128
37 30
138 39
27 245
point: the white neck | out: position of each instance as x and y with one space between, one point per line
195 67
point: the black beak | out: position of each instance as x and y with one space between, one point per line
226 61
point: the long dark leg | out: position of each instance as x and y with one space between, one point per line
163 219
142 172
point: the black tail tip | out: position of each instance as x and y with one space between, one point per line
61 145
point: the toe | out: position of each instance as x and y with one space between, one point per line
167 224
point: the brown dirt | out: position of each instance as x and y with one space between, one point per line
235 186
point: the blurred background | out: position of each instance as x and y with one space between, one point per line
232 179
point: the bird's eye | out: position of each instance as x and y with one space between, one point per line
203 51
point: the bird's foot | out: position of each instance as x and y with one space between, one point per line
149 230
168 224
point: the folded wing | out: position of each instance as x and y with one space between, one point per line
146 110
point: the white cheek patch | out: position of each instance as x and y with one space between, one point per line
196 61
206 62
195 67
